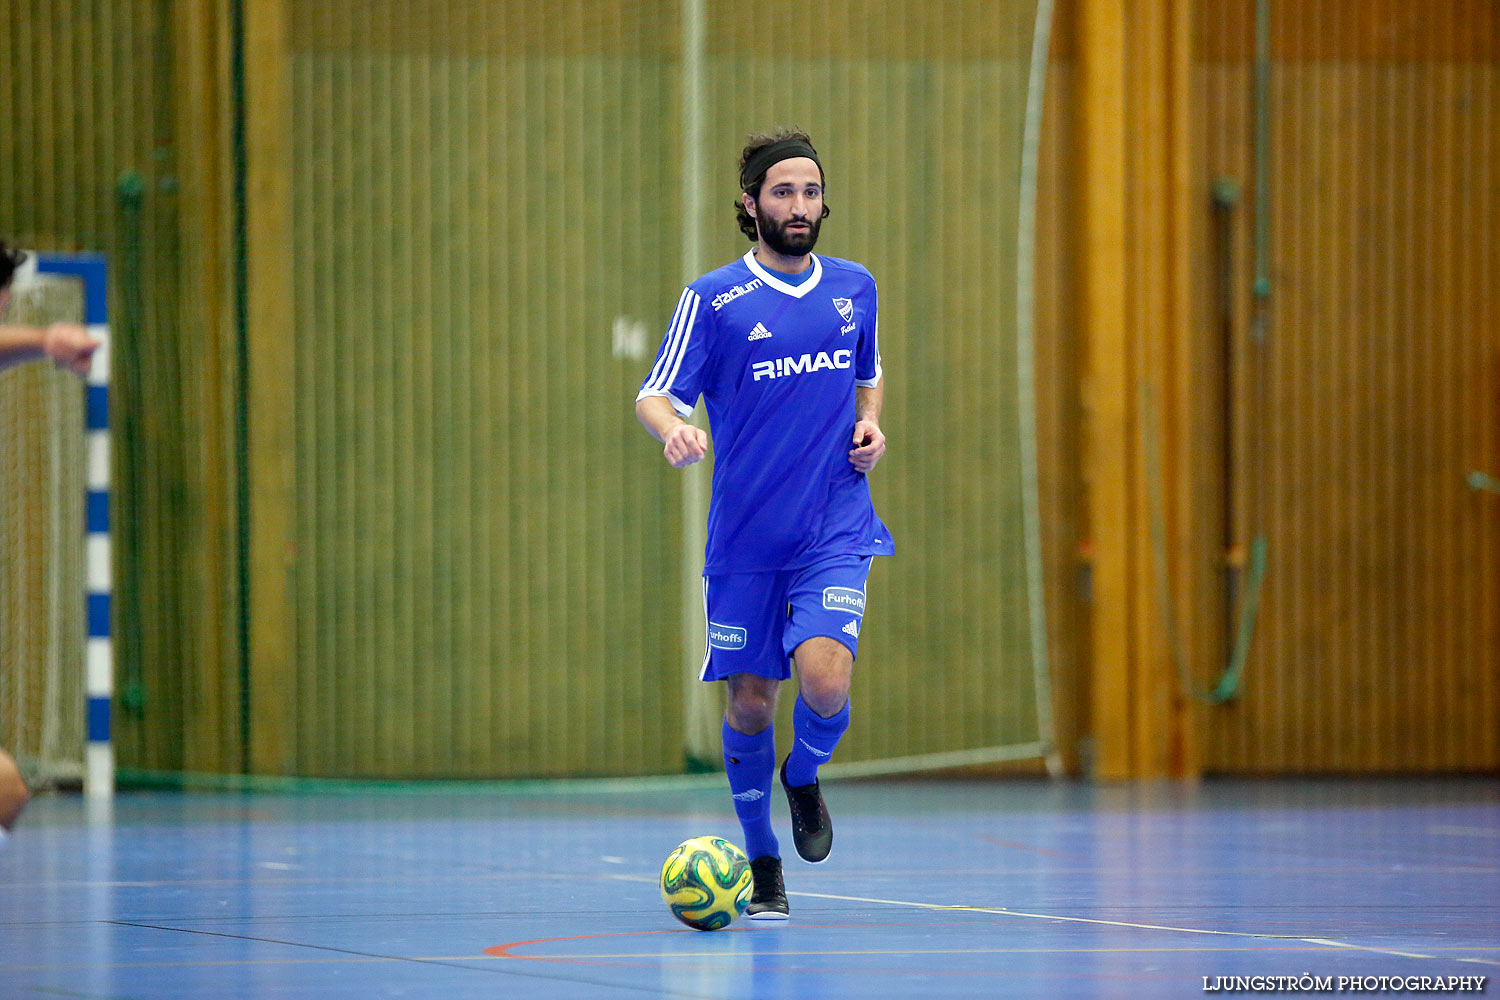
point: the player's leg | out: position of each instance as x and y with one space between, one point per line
821 714
750 763
13 792
746 614
750 757
828 601
824 669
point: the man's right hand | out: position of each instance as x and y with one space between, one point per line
685 444
70 346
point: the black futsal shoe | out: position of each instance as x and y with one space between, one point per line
812 830
768 898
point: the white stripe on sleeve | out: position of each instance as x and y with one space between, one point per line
873 382
687 334
671 339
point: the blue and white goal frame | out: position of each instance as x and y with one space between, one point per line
99 660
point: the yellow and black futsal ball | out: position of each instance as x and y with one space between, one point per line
706 883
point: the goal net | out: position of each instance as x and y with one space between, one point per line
42 626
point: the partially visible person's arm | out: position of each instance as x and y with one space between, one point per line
13 791
685 444
67 344
869 442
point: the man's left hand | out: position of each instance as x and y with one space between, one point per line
869 446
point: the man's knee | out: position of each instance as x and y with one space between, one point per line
825 668
13 792
750 705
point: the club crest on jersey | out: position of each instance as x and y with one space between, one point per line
782 367
846 310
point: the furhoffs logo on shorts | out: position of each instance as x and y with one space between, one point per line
844 599
726 636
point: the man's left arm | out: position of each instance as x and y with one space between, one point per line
869 442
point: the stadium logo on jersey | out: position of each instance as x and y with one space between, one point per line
759 333
782 367
843 599
724 298
726 636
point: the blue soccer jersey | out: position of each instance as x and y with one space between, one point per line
776 362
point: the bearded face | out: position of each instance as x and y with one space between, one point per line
794 237
789 211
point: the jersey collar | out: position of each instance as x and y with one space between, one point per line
795 291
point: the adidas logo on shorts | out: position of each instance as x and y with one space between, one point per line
853 629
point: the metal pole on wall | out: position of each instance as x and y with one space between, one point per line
1026 382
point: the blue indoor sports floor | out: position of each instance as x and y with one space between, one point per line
935 889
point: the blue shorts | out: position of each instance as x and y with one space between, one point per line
756 620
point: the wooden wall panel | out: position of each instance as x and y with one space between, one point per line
486 542
42 628
486 546
1059 445
1129 402
91 93
1378 641
918 120
213 737
480 199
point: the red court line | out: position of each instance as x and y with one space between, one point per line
504 950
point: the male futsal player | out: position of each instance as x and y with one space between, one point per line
782 345
69 346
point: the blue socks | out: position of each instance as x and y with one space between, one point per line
815 739
750 762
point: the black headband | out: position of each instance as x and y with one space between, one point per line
765 157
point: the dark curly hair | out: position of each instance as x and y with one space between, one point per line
9 261
754 144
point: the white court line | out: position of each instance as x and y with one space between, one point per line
1000 910
1360 947
1003 911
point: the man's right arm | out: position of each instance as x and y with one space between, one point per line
13 792
683 443
67 344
